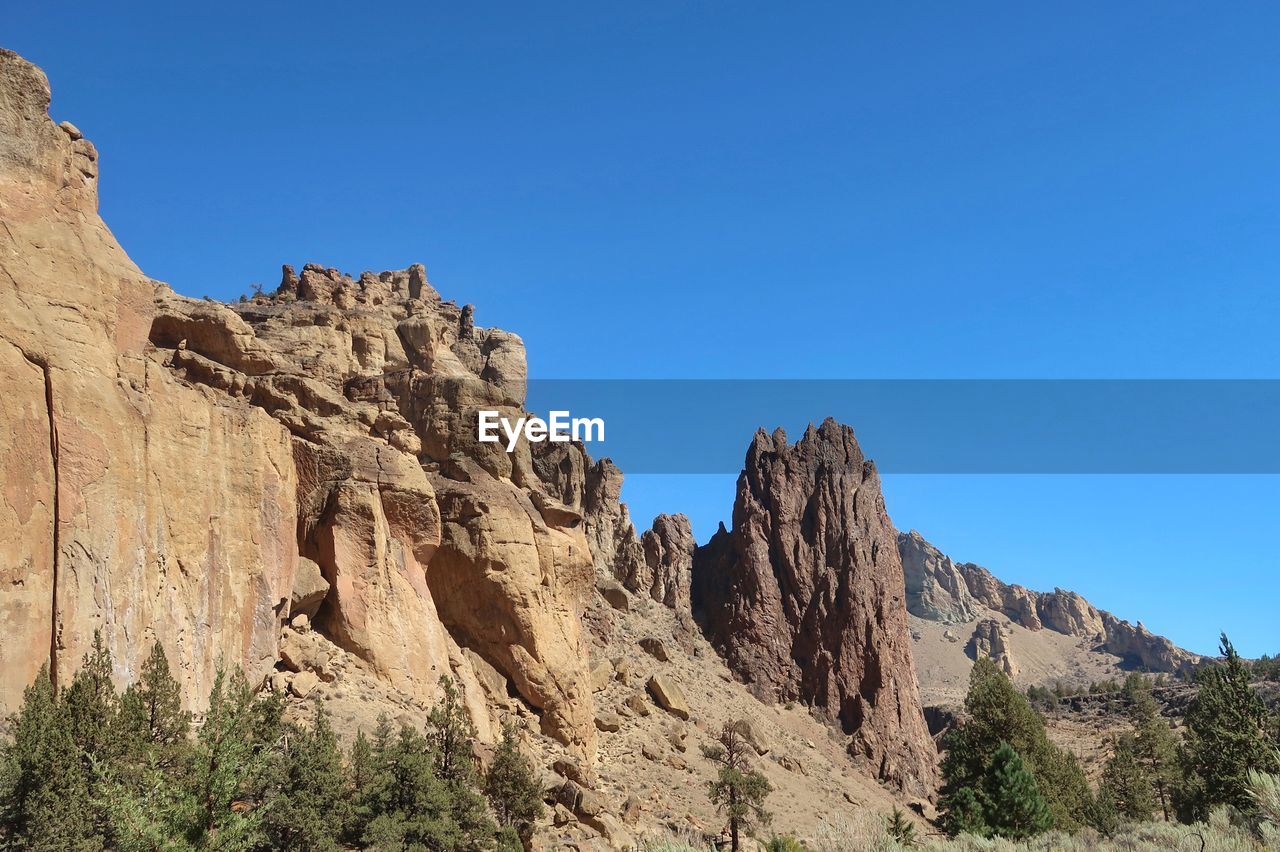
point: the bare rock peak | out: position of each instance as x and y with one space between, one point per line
805 597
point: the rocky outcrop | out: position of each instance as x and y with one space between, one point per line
990 640
668 562
133 502
805 597
169 462
936 589
1143 649
947 592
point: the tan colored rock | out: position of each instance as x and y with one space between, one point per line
637 703
656 648
302 683
309 589
608 721
601 676
990 639
669 696
614 594
668 557
144 507
753 731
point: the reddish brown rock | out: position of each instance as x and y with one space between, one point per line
805 597
668 562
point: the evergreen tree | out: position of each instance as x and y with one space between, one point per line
91 705
1015 808
738 791
900 829
998 713
965 813
513 789
1155 747
1126 790
405 804
310 799
1228 733
450 734
46 798
231 765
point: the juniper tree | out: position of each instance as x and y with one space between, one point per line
738 791
450 734
998 713
1015 807
310 799
1155 747
513 789
405 804
44 794
1229 732
232 761
900 829
1126 790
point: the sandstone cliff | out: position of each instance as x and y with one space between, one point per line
169 461
133 502
805 597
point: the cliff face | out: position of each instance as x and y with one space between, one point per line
943 591
132 501
167 462
805 597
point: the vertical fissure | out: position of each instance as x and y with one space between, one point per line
57 553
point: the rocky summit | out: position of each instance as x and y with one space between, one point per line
805 597
292 484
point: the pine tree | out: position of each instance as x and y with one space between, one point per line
965 813
309 805
512 787
231 765
1125 787
405 804
1229 732
738 791
900 829
450 734
46 797
1015 808
1155 747
998 713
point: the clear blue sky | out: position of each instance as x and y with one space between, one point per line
756 190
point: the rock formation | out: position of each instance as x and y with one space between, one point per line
668 562
947 592
134 502
805 597
990 640
936 589
169 462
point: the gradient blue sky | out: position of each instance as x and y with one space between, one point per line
756 190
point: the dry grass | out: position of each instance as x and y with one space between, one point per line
1222 833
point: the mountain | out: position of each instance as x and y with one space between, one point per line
959 610
293 484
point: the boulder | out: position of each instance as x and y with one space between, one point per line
309 588
669 696
655 648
